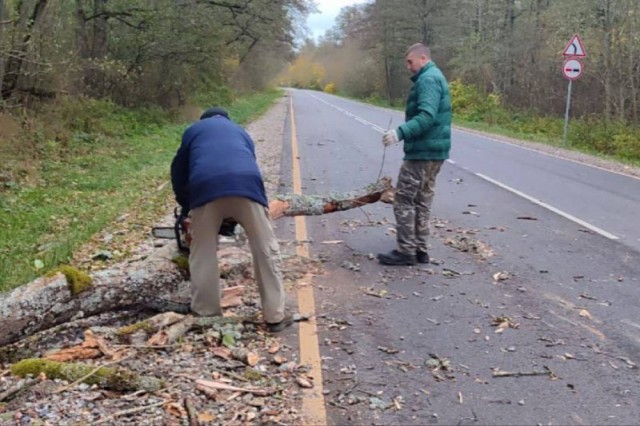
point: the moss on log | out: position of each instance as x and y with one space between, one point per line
117 379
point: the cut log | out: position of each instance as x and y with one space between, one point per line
311 205
49 301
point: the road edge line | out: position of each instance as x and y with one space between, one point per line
313 407
550 208
491 137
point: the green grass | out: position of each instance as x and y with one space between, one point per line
78 195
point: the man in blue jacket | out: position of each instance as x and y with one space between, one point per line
215 177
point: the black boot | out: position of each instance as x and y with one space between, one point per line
396 258
422 256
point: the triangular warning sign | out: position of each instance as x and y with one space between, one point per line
575 48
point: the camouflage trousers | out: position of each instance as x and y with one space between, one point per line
412 204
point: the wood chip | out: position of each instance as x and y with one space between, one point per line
232 296
304 383
208 384
274 348
221 352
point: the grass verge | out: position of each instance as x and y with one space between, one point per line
43 224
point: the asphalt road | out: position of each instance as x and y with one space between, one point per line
422 345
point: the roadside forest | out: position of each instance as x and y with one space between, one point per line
503 58
94 95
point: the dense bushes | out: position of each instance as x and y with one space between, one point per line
590 133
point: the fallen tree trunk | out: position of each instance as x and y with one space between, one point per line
311 205
52 300
57 299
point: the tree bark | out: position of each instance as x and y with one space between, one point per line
2 30
311 205
50 301
13 66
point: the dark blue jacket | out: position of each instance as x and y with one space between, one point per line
216 159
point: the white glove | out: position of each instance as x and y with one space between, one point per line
390 137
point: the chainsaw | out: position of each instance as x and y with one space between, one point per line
181 230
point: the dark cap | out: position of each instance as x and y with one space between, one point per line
212 112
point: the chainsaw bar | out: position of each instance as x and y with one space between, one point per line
164 232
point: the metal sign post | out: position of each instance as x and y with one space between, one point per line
566 115
572 69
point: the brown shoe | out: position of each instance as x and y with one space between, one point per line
276 327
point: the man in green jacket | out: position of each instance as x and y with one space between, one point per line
426 133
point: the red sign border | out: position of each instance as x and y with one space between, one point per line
564 64
576 36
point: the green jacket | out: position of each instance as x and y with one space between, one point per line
427 128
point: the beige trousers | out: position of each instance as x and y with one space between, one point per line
203 261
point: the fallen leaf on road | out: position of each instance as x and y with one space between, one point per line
503 322
372 292
436 363
350 265
390 351
551 342
466 244
397 403
450 273
585 314
501 276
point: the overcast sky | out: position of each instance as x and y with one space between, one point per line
320 22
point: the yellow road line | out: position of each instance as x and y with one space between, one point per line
313 408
